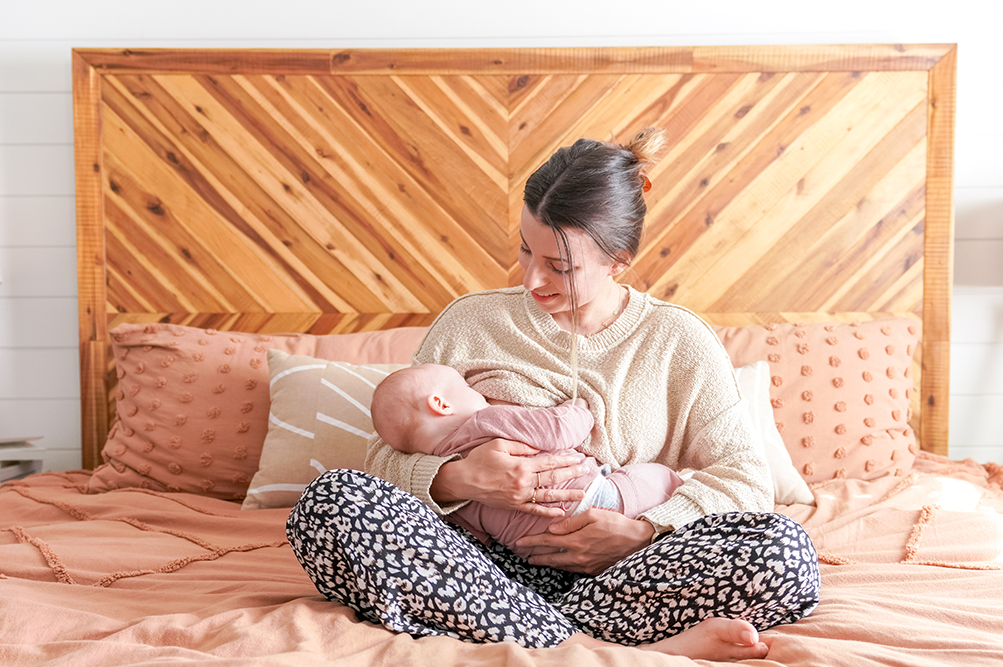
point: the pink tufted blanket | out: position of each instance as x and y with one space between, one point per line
911 576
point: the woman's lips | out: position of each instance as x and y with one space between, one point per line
540 298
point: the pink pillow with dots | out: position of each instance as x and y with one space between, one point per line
840 392
192 404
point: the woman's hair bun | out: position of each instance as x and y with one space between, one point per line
647 145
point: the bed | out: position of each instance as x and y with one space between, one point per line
240 212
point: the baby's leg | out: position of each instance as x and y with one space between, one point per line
644 485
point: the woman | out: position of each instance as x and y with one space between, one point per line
697 575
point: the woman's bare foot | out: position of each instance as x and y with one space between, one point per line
710 639
714 639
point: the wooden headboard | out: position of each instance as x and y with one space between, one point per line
334 191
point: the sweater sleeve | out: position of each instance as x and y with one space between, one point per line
731 476
717 440
411 472
414 472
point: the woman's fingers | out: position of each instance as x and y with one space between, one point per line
553 470
548 495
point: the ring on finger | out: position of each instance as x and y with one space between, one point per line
533 499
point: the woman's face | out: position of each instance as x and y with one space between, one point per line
546 274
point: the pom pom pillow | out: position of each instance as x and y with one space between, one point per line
840 393
192 404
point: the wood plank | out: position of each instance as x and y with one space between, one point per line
730 208
312 323
791 255
510 61
252 215
399 129
664 250
939 254
819 58
399 210
140 179
829 58
90 258
207 61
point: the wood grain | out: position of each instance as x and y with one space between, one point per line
331 191
90 259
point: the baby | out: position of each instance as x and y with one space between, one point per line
431 409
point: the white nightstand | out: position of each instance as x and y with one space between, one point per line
19 457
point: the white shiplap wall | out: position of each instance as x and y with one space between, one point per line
39 384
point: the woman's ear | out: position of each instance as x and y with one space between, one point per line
620 264
439 406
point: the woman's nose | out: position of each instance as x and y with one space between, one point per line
532 278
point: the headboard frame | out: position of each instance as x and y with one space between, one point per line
330 191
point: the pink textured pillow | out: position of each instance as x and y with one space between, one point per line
192 404
840 392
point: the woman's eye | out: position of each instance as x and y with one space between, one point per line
558 270
523 248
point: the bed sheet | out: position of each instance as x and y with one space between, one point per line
911 575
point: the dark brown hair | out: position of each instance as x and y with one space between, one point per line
597 187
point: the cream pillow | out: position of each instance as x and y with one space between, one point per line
319 420
754 383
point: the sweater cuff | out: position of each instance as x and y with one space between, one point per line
424 471
673 514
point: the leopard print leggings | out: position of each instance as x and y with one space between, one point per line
385 554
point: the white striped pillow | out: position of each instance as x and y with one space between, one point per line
318 420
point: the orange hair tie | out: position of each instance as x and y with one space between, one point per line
647 184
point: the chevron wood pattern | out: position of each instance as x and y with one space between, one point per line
363 190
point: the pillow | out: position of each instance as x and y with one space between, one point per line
754 383
840 393
192 404
319 420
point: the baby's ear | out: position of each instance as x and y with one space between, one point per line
439 406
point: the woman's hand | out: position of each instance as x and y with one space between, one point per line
589 542
509 475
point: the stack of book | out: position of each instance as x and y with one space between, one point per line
19 457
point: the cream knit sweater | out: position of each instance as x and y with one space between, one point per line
658 382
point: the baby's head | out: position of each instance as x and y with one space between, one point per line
415 408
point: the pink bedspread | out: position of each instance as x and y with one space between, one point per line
911 575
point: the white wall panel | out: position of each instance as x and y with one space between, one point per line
38 272
978 158
979 422
978 213
36 170
39 373
977 315
976 369
45 323
36 118
38 221
56 420
978 454
978 262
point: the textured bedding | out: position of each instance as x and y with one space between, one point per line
912 571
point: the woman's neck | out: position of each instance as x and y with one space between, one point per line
599 313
